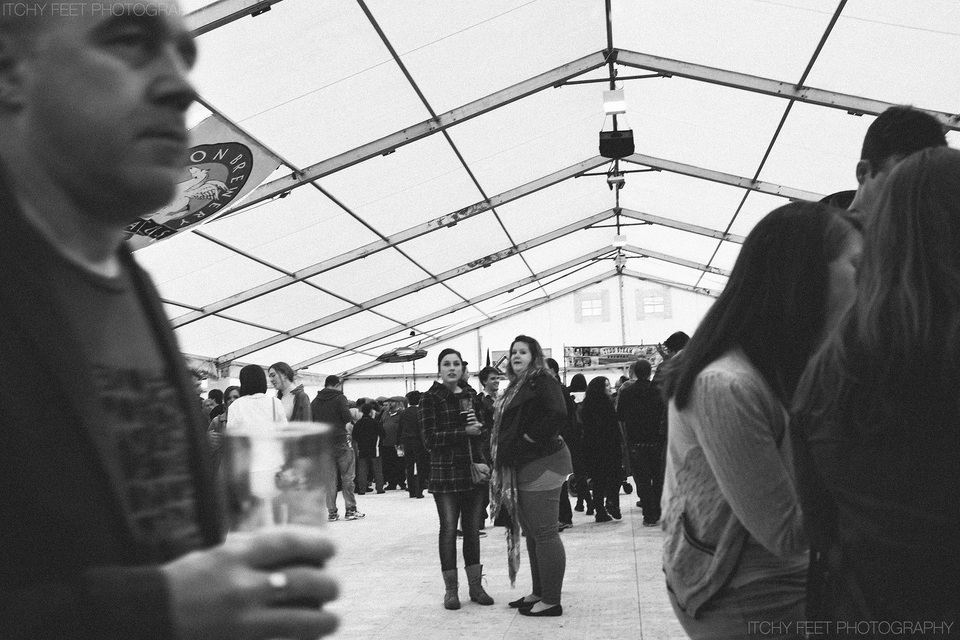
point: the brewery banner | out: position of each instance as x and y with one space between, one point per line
609 356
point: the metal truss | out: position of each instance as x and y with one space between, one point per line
436 224
473 265
775 88
526 306
508 288
222 12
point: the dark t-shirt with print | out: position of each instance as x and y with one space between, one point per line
140 400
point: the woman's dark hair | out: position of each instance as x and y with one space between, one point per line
597 405
283 369
577 383
252 380
413 397
774 305
445 353
536 356
217 395
367 408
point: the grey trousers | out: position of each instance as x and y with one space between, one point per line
539 513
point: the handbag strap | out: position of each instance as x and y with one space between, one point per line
470 447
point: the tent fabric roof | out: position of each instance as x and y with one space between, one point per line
454 147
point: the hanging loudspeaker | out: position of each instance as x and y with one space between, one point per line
616 144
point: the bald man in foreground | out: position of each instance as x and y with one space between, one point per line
110 524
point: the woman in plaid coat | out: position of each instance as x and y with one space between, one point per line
450 437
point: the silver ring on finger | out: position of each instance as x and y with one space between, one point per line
278 581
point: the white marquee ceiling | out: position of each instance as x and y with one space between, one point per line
408 117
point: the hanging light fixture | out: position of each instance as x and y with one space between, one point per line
615 142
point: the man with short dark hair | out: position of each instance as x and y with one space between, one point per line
111 521
896 133
332 407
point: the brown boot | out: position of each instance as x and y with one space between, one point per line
451 600
477 594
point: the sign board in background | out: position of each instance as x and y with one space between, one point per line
609 356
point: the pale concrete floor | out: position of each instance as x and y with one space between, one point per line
391 586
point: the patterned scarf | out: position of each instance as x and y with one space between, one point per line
503 482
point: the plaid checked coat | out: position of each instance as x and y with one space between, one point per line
446 439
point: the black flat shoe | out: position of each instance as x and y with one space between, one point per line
521 603
554 611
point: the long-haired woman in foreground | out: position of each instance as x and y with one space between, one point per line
735 555
531 463
878 417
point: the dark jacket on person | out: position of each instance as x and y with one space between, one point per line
572 434
410 436
331 406
368 433
72 563
538 410
302 412
880 492
602 440
445 435
640 408
391 429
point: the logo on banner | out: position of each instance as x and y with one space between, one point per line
215 175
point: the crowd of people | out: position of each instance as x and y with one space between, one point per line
808 461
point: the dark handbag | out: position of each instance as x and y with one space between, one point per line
479 472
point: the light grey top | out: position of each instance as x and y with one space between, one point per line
735 422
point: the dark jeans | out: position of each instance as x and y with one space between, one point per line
646 462
450 506
393 470
416 480
366 467
606 488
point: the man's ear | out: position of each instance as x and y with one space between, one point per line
12 69
864 169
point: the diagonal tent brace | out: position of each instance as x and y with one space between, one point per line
703 291
647 253
526 306
682 226
480 207
723 178
436 224
473 265
776 88
508 288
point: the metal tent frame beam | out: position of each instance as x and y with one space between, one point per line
473 265
222 12
526 306
647 253
682 226
723 178
703 291
436 224
485 205
508 288
403 137
788 90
